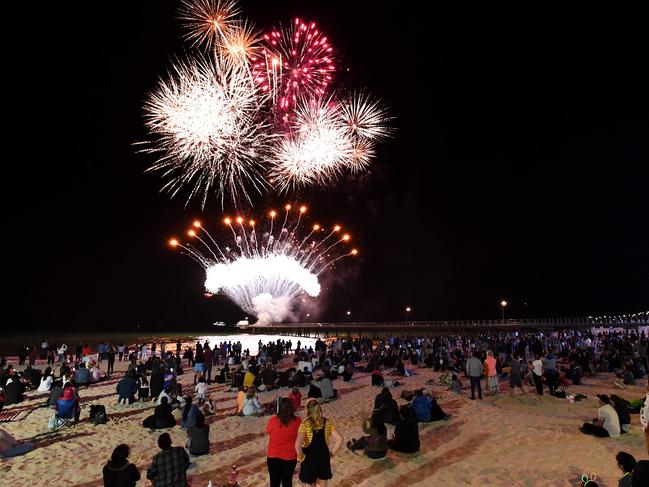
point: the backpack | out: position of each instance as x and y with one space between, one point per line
98 414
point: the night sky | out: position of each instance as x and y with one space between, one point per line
519 168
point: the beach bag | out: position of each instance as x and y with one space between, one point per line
98 414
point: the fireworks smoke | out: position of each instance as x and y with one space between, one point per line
263 272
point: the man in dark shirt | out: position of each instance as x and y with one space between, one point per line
169 466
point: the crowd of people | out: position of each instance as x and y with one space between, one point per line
544 362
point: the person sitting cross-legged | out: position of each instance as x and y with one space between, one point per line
607 422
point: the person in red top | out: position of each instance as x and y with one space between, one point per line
282 431
296 398
491 373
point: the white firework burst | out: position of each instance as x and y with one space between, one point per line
205 122
317 149
366 117
263 272
208 22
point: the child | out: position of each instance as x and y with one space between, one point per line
201 390
296 398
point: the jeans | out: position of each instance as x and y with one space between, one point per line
476 381
281 472
551 378
19 449
207 372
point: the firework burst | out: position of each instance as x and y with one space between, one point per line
205 121
263 271
208 22
294 62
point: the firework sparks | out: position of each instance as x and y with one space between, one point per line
327 139
207 22
263 271
241 42
205 122
294 61
366 117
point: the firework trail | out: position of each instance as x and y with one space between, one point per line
263 272
294 62
208 130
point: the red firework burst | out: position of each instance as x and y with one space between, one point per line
294 61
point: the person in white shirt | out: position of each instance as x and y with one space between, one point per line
537 374
46 383
607 422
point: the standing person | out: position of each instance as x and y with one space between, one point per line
282 432
169 466
515 378
208 357
537 374
551 374
474 372
119 472
312 446
491 373
111 360
120 351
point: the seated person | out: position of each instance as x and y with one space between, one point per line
622 409
190 412
348 373
46 383
70 395
628 377
326 388
406 432
377 378
174 402
249 379
314 390
126 389
10 447
296 398
426 407
82 376
268 377
14 390
198 436
251 405
626 463
241 398
55 394
162 417
96 375
386 407
455 385
375 444
607 422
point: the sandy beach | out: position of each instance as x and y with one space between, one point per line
500 441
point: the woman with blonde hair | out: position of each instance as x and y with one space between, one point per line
313 446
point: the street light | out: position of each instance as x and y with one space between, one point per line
349 313
408 309
503 305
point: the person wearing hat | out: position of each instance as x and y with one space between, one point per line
607 422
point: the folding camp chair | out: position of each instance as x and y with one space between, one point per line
64 416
